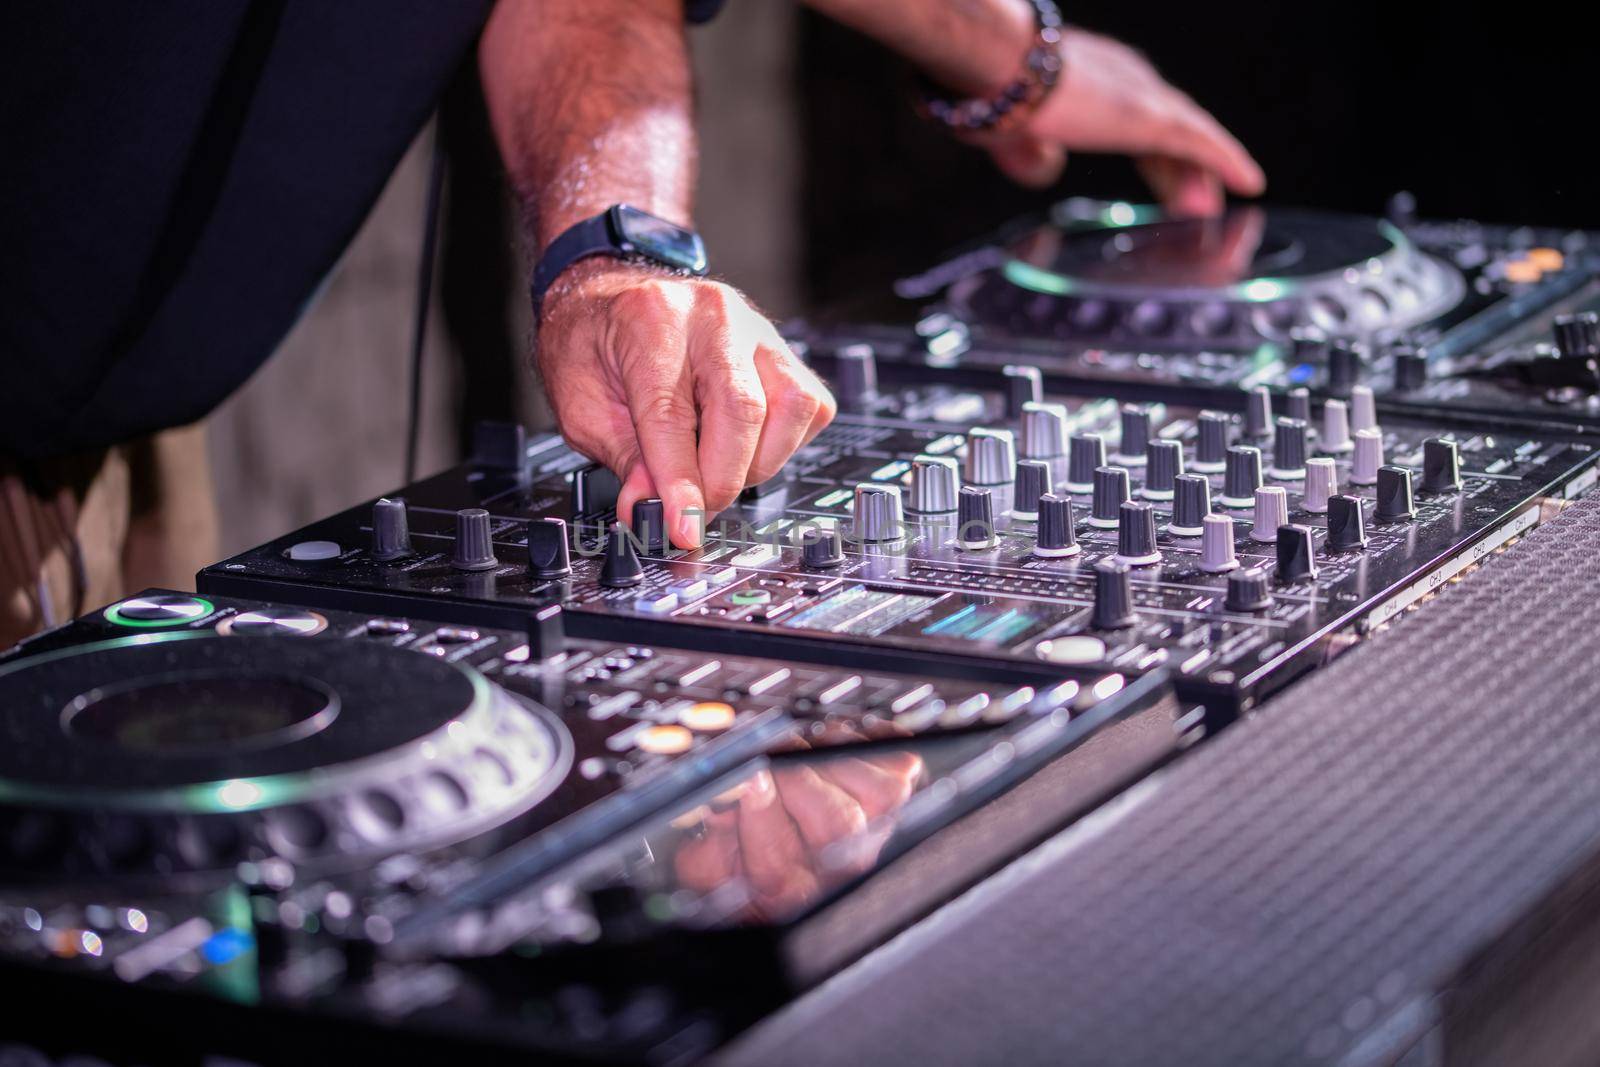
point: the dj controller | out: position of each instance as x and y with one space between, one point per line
474 769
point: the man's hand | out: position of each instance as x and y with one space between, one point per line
676 384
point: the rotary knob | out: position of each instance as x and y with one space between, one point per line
620 567
1136 534
975 518
1135 423
855 377
1033 482
1272 511
933 485
1298 405
1394 494
1410 368
1044 431
1347 525
650 525
1363 409
1289 450
822 547
547 632
878 518
1211 448
1296 561
1191 503
1163 463
991 457
391 531
1110 490
1023 386
1367 459
474 548
1247 591
1321 483
1113 596
1056 536
1217 553
1087 455
548 556
1577 336
1258 414
1441 465
1344 367
1335 437
1309 344
1242 477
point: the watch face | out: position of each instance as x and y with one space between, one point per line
660 239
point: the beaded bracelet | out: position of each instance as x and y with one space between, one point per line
1041 69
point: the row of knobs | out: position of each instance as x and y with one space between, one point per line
473 548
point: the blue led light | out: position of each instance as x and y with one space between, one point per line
1300 373
226 945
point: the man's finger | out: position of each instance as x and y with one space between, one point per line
795 398
728 388
1028 160
637 485
1194 134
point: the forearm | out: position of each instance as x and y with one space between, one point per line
972 47
591 105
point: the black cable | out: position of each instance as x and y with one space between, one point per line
419 328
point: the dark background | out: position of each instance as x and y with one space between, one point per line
1486 112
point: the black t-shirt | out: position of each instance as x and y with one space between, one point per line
177 178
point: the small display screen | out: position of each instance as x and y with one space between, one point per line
660 239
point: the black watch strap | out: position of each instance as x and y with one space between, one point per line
591 237
622 231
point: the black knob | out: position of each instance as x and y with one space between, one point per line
1135 420
1394 493
391 531
1056 534
594 490
547 632
822 547
1578 336
548 556
1441 465
1110 490
1410 368
1191 503
499 445
650 525
1289 449
1243 476
1113 596
975 518
1212 446
1310 345
1163 462
1258 414
474 549
1296 560
620 567
1086 452
1136 534
1032 482
855 377
1023 386
1299 404
1347 524
1247 591
1344 367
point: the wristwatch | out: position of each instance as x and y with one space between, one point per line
622 231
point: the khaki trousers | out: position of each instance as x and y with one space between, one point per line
80 531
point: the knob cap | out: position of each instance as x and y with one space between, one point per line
1113 596
1023 386
1216 544
1033 482
1410 368
1296 559
1211 448
1347 525
991 457
1289 450
1044 430
1243 477
474 549
1136 534
1441 465
1299 405
1272 511
1344 367
1363 409
878 518
1191 503
548 556
1310 345
391 530
1367 459
1394 494
1087 455
547 632
1577 336
855 377
1335 437
620 567
1321 483
1247 591
1110 490
933 485
1056 535
822 547
975 518
1163 463
650 525
1258 414
1135 421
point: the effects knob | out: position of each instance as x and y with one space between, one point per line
1135 422
1410 368
933 485
1033 482
391 530
1272 511
1363 409
474 549
1344 367
1299 405
1087 455
1335 436
1110 491
620 568
1113 596
1163 463
878 518
547 632
1441 465
1577 336
1321 483
1258 414
1216 544
1296 561
1310 345
1044 431
1347 525
1023 387
1289 450
1242 477
855 377
1247 591
975 518
1136 534
1056 536
1367 459
650 525
1211 448
1191 503
822 547
1394 494
548 556
991 457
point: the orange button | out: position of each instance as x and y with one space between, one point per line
1522 271
665 740
1547 258
708 716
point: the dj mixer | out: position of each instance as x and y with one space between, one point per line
477 769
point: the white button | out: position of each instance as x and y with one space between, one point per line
307 551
